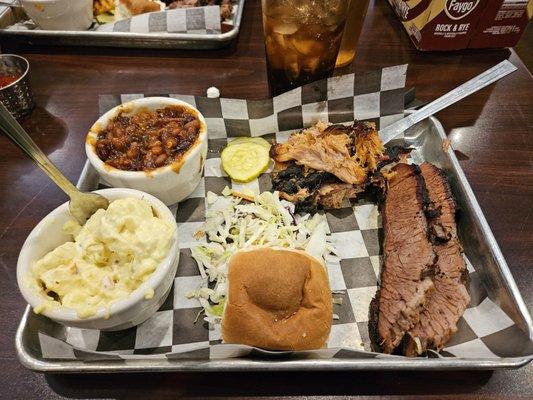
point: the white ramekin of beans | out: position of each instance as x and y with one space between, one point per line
154 144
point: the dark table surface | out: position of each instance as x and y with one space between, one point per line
491 130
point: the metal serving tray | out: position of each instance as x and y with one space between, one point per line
117 39
480 246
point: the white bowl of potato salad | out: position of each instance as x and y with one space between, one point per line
112 273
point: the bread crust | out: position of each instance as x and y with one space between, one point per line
278 299
137 7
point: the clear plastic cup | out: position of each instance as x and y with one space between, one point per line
352 31
302 39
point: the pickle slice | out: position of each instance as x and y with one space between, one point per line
258 140
245 161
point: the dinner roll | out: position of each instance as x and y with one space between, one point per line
278 299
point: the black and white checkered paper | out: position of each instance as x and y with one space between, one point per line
196 20
485 331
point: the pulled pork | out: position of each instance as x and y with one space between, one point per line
324 165
348 152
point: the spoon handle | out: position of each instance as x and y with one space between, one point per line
18 135
473 85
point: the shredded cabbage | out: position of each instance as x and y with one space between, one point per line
232 225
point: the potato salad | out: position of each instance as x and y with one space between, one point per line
111 255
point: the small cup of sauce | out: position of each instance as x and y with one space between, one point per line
15 91
6 80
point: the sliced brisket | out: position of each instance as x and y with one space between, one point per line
438 321
406 278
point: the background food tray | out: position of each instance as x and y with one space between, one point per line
117 39
427 138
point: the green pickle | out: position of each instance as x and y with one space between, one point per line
244 159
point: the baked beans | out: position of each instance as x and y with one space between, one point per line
148 139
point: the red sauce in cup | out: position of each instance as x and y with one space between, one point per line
6 80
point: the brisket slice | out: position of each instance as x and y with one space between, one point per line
438 321
408 265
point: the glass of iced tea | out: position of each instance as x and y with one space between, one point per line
302 39
352 30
